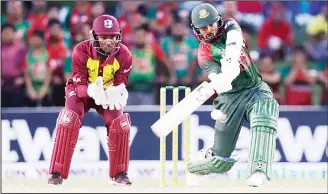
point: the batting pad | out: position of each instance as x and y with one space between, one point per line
67 132
263 120
262 151
118 145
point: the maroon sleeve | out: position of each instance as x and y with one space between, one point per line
125 60
79 77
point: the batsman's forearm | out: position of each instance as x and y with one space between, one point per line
234 44
230 65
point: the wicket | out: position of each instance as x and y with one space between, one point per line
175 137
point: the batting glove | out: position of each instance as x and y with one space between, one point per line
219 83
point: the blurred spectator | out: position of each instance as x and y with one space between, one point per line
276 33
229 10
188 5
164 16
68 61
298 80
15 16
323 80
249 7
37 72
319 23
269 75
53 12
173 58
248 31
98 8
144 74
149 10
12 56
57 54
181 48
56 12
316 46
81 14
129 20
317 30
38 18
250 12
84 33
267 8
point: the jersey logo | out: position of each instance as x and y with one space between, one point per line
109 72
71 93
244 61
127 70
66 119
203 13
76 79
231 44
93 67
108 23
203 92
221 51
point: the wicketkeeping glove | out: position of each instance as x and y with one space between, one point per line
97 92
117 97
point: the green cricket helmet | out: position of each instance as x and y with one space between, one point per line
203 15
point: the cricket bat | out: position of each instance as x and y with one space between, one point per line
178 113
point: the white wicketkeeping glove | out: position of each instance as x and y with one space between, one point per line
117 97
219 83
97 92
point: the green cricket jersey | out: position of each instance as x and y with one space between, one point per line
209 56
181 54
37 68
144 68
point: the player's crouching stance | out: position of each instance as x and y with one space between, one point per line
101 67
242 95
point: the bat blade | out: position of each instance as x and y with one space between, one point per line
183 109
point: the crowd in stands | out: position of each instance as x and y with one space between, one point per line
287 41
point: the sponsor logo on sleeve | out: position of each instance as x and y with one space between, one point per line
127 70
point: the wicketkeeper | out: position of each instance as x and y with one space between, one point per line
101 67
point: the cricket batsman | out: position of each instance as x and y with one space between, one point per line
242 95
100 71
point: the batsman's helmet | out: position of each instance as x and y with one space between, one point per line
203 15
105 25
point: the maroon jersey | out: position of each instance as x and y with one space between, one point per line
87 66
